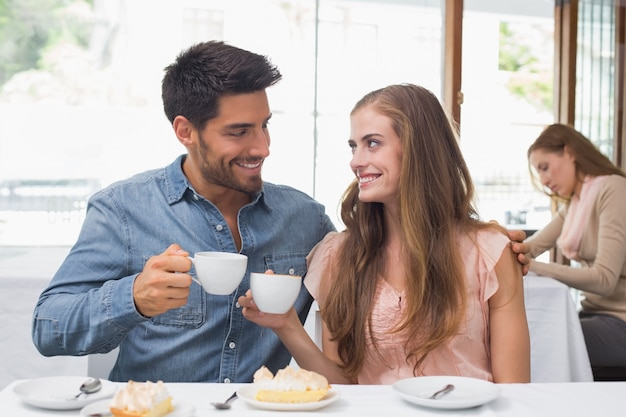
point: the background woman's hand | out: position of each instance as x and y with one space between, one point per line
520 248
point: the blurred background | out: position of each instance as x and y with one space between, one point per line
80 91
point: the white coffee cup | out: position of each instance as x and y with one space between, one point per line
219 273
274 293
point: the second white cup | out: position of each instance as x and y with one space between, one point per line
274 293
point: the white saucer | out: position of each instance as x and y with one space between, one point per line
56 393
181 409
248 394
467 393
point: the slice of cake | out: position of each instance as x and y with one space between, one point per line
142 399
290 385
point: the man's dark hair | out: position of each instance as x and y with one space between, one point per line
206 71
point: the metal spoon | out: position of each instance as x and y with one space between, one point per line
226 404
90 386
441 392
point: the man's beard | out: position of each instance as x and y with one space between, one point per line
220 173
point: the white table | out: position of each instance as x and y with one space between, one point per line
583 399
557 347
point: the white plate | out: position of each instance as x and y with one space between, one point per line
181 409
467 393
248 394
56 393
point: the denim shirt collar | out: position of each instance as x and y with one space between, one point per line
177 183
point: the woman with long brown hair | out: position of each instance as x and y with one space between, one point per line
416 284
590 228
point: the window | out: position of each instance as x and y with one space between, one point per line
85 109
508 53
202 24
80 94
595 73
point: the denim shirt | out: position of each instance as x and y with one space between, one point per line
88 306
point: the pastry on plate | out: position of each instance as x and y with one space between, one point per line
142 399
290 385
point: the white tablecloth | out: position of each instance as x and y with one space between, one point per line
583 399
24 273
558 351
557 347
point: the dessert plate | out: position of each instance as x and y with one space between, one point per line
181 409
57 393
248 394
467 393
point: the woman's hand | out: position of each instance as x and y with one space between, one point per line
291 332
276 322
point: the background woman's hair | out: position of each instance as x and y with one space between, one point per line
588 160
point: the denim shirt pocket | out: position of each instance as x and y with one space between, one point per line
191 315
291 263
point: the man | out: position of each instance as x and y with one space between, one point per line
113 291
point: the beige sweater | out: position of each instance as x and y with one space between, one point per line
602 278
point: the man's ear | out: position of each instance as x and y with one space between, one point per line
184 130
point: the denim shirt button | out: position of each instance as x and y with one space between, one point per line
292 271
219 227
232 345
195 197
237 305
227 380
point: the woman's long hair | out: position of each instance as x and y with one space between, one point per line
588 160
435 199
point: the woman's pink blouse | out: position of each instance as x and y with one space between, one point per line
467 354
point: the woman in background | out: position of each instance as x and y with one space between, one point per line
416 284
590 228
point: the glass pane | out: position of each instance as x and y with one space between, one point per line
365 45
86 111
80 93
595 73
508 52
